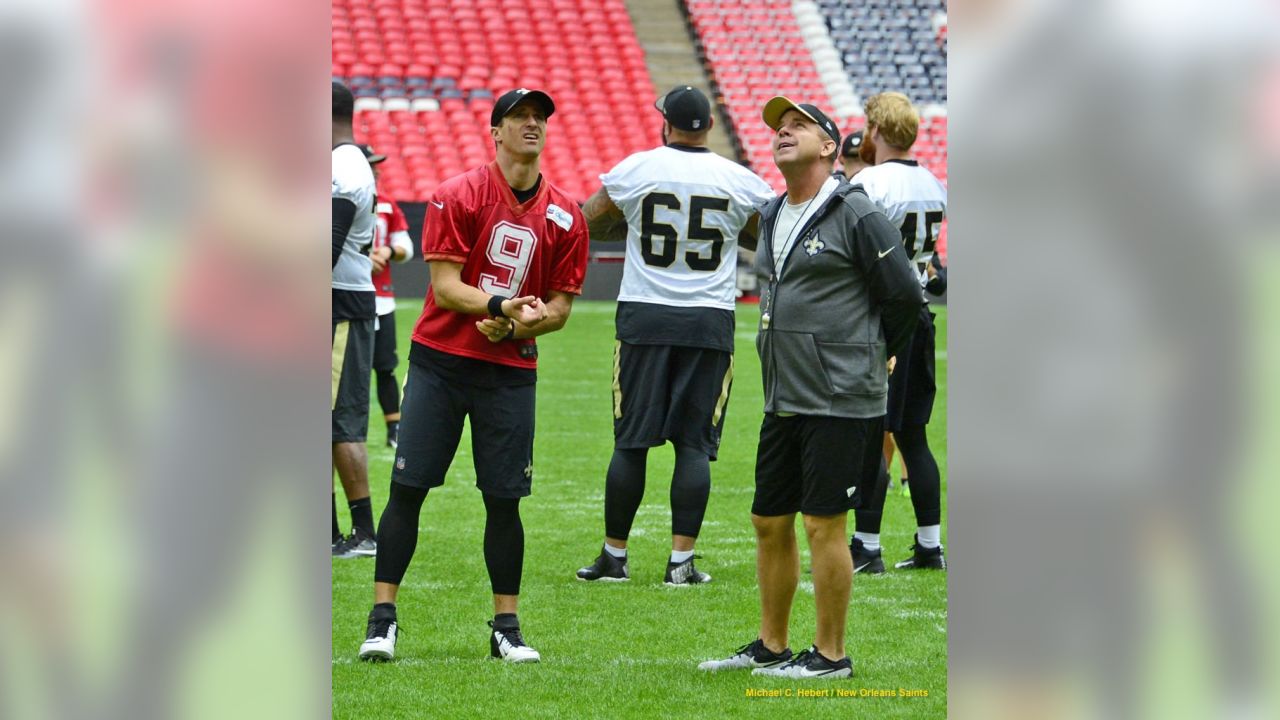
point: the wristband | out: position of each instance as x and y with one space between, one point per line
495 306
511 334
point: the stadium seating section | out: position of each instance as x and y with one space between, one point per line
872 38
425 74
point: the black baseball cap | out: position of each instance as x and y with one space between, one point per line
851 144
511 98
775 108
686 108
373 157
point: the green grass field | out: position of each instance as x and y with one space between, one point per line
629 649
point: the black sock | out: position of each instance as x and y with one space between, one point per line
383 610
505 621
362 516
623 491
690 487
503 544
926 496
867 518
398 533
337 531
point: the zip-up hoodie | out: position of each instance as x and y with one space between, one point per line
846 300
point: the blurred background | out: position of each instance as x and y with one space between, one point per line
1113 170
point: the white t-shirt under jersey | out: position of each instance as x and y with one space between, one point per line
353 180
914 200
684 209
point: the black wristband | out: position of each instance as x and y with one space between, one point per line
495 306
511 334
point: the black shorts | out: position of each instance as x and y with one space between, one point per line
664 392
384 343
434 407
351 363
815 465
913 384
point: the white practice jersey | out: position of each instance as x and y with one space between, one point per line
914 200
684 209
353 180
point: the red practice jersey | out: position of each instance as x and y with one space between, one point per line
505 248
390 221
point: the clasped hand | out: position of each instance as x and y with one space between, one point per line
527 311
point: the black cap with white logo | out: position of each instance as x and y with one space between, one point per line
685 108
775 108
851 144
514 97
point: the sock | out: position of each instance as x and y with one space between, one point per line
679 556
337 531
362 516
503 544
505 621
870 541
690 487
930 536
623 491
383 610
398 533
620 553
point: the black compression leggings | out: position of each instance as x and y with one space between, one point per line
624 489
398 538
922 468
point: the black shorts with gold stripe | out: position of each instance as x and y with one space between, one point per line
349 392
665 392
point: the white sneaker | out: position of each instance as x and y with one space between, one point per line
508 645
380 641
752 655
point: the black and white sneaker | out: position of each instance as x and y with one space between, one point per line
923 558
809 664
380 639
606 568
866 561
359 544
338 545
684 573
752 655
507 644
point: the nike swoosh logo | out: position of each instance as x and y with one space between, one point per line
440 205
886 252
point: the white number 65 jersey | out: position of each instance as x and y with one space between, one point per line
684 207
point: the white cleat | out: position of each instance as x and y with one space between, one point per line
380 642
509 646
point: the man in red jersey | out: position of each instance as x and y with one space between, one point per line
508 253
